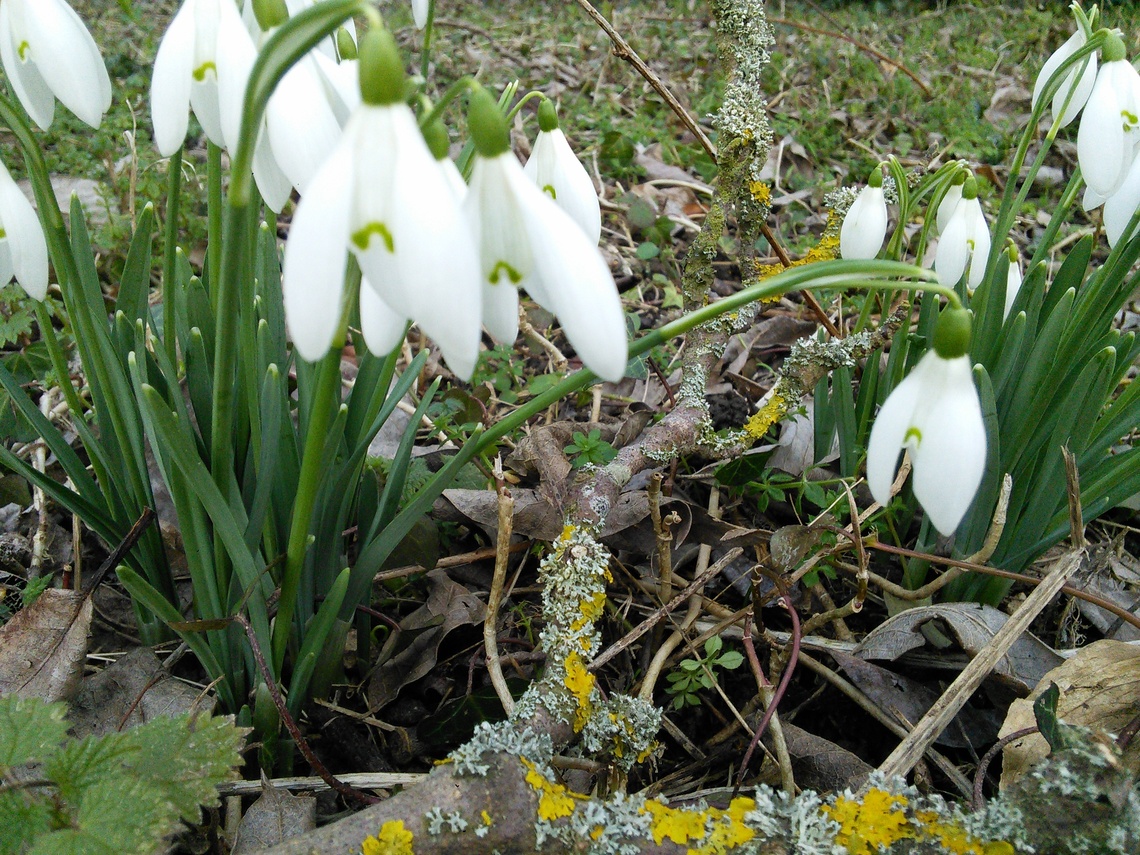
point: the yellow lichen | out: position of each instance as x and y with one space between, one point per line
955 839
591 609
554 800
567 533
774 410
826 249
761 192
728 829
393 839
580 682
486 819
878 820
676 824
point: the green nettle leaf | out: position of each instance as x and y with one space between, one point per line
23 820
187 758
30 729
84 763
120 815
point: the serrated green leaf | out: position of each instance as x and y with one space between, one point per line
120 815
187 758
23 819
83 763
30 729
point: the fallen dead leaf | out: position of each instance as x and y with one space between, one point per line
43 646
1100 689
275 817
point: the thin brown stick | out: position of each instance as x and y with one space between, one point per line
651 621
908 752
1067 590
494 598
987 758
895 727
622 50
882 57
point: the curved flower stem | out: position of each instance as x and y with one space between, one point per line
429 31
326 399
215 210
450 94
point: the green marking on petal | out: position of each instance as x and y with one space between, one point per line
203 70
23 51
503 267
3 234
363 237
1130 119
913 434
549 188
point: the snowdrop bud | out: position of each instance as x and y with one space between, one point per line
556 170
865 226
381 69
1080 88
1012 279
345 44
420 10
437 140
950 200
487 124
270 13
952 333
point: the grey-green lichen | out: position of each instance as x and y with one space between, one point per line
437 820
622 729
500 738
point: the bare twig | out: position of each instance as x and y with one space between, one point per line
903 758
490 622
980 775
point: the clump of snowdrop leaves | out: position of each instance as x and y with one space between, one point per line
555 168
965 242
526 241
383 196
48 54
935 413
865 226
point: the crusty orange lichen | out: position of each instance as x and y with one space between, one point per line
554 800
880 819
728 828
676 824
393 839
580 682
712 831
773 410
825 249
761 192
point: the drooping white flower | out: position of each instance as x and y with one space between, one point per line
526 241
300 127
949 202
381 195
1013 280
420 13
555 168
865 225
1080 86
47 54
186 72
440 144
965 242
935 413
1121 205
1108 134
23 250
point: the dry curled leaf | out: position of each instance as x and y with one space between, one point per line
43 646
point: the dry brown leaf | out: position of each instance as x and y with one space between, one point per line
275 817
970 626
43 646
1100 689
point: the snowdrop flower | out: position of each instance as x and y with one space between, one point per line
865 226
934 413
1108 133
526 241
1080 87
48 54
186 71
555 168
23 250
1121 205
420 13
950 200
965 242
381 195
1012 279
300 127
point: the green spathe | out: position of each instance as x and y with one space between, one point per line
487 124
547 116
270 13
381 69
952 333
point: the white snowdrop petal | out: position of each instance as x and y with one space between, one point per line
865 226
556 170
24 78
67 58
889 431
1121 205
1100 136
170 82
302 126
383 329
24 237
